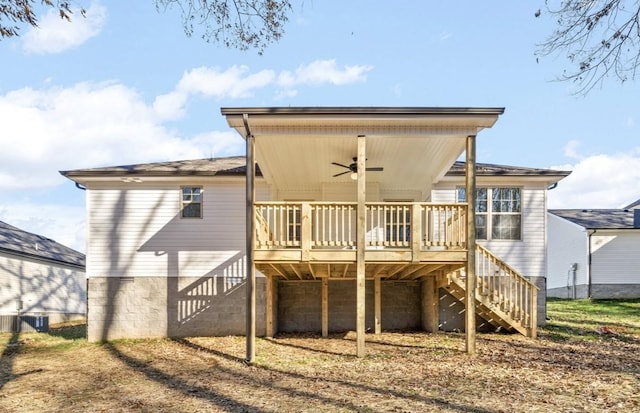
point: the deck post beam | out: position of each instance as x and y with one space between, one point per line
533 308
325 307
360 248
269 313
251 243
470 299
430 305
377 304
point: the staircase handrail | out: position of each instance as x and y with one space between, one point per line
507 289
506 266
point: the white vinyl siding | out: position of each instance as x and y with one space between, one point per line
41 286
138 232
347 192
444 195
615 258
528 255
408 196
567 245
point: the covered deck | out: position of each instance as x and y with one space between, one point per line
375 221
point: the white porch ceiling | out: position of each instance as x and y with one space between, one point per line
295 147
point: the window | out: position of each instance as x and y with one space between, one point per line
191 202
498 212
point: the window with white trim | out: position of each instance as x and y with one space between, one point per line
191 205
498 212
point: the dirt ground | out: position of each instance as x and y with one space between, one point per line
402 372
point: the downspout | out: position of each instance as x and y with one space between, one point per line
590 254
571 280
250 234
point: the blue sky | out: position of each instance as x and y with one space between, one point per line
126 85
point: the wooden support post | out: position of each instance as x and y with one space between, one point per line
269 310
430 305
470 298
533 332
251 243
325 307
377 304
360 248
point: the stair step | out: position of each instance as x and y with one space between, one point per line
488 307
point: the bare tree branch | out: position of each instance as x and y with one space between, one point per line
17 12
601 39
240 24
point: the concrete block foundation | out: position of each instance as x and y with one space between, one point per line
615 291
144 307
598 291
300 306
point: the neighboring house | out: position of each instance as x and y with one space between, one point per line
39 276
594 253
167 241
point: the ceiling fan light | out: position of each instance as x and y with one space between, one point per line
354 176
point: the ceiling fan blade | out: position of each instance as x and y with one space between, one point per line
339 164
341 173
375 169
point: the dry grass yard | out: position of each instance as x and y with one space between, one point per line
587 359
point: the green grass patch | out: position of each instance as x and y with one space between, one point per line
69 331
60 337
571 320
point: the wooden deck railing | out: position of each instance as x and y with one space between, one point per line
401 225
512 293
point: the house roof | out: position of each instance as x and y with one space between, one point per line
16 241
598 218
361 111
233 165
236 165
487 169
633 205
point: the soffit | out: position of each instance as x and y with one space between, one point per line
295 147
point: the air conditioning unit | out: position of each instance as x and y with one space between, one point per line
24 323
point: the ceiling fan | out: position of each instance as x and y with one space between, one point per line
353 167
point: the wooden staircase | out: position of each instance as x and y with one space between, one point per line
504 298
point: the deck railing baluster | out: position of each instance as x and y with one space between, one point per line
389 225
508 291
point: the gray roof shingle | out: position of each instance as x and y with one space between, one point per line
598 218
16 241
232 165
488 169
236 165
